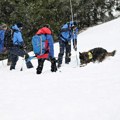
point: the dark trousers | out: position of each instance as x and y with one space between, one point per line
15 52
41 64
6 54
64 47
9 57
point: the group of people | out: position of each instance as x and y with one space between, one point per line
16 47
13 43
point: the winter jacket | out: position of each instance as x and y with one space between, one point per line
2 34
47 34
17 36
66 33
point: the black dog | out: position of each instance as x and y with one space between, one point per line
93 55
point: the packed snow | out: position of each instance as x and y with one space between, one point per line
72 93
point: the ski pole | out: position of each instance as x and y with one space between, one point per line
22 63
71 10
76 58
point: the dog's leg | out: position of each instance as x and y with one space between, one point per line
102 57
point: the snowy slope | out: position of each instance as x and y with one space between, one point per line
72 93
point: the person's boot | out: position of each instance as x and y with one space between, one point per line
29 65
9 63
53 65
12 67
39 70
67 60
59 65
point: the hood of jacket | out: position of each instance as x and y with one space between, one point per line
44 30
15 27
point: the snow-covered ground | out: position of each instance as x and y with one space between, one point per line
72 93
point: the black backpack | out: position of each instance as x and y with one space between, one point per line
8 40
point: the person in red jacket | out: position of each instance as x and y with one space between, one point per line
45 35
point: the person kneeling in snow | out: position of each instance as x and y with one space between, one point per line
43 48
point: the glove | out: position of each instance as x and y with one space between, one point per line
36 55
5 51
24 47
75 47
53 60
50 58
69 43
68 54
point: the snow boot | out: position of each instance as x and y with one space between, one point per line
53 65
29 65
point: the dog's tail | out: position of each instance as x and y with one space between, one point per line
112 53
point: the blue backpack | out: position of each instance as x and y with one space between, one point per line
2 33
40 44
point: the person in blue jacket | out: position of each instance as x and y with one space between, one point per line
2 36
3 50
18 48
68 32
45 34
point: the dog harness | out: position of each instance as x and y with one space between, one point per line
90 56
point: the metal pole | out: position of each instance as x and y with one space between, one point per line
72 20
71 10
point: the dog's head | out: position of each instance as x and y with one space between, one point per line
84 58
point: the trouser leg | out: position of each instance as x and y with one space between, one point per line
68 52
9 61
19 52
60 55
75 44
40 66
14 59
53 65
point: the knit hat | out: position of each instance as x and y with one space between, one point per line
46 25
19 25
75 23
3 25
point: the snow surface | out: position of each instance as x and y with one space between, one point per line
72 93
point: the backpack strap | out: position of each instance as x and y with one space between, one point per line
46 43
42 56
66 30
46 54
8 40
